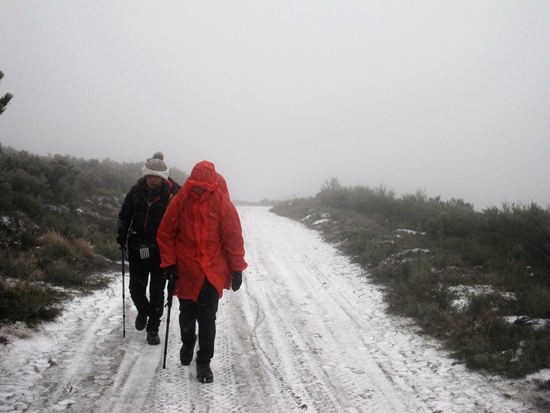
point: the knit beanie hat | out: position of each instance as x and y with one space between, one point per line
155 166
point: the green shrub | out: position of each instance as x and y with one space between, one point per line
29 302
108 249
67 262
60 273
535 302
52 222
55 247
522 232
13 266
21 265
83 251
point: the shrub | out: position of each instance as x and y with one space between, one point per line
55 247
108 249
535 302
67 262
60 273
29 302
21 265
84 250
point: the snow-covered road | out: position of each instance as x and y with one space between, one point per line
306 332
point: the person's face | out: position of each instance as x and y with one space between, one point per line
198 190
152 181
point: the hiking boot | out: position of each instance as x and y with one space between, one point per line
186 352
204 374
141 321
153 338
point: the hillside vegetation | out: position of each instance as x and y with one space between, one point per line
57 228
477 281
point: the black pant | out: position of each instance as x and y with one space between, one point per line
154 306
204 312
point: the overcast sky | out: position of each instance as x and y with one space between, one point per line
449 97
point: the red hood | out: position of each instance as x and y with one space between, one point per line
203 175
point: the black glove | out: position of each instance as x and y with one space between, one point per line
121 240
236 280
171 274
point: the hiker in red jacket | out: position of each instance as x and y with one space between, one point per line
138 221
202 252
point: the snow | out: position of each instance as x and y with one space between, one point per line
321 221
410 231
306 332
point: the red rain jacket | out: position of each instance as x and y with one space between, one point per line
202 234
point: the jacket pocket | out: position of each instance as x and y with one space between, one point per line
144 253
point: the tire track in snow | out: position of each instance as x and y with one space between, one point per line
218 396
346 369
302 310
96 369
73 376
137 372
291 363
177 388
254 372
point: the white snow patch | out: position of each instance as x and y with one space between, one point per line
16 330
536 323
321 221
465 292
410 231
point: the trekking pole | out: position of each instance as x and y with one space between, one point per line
169 305
123 300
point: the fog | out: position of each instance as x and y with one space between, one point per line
452 98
